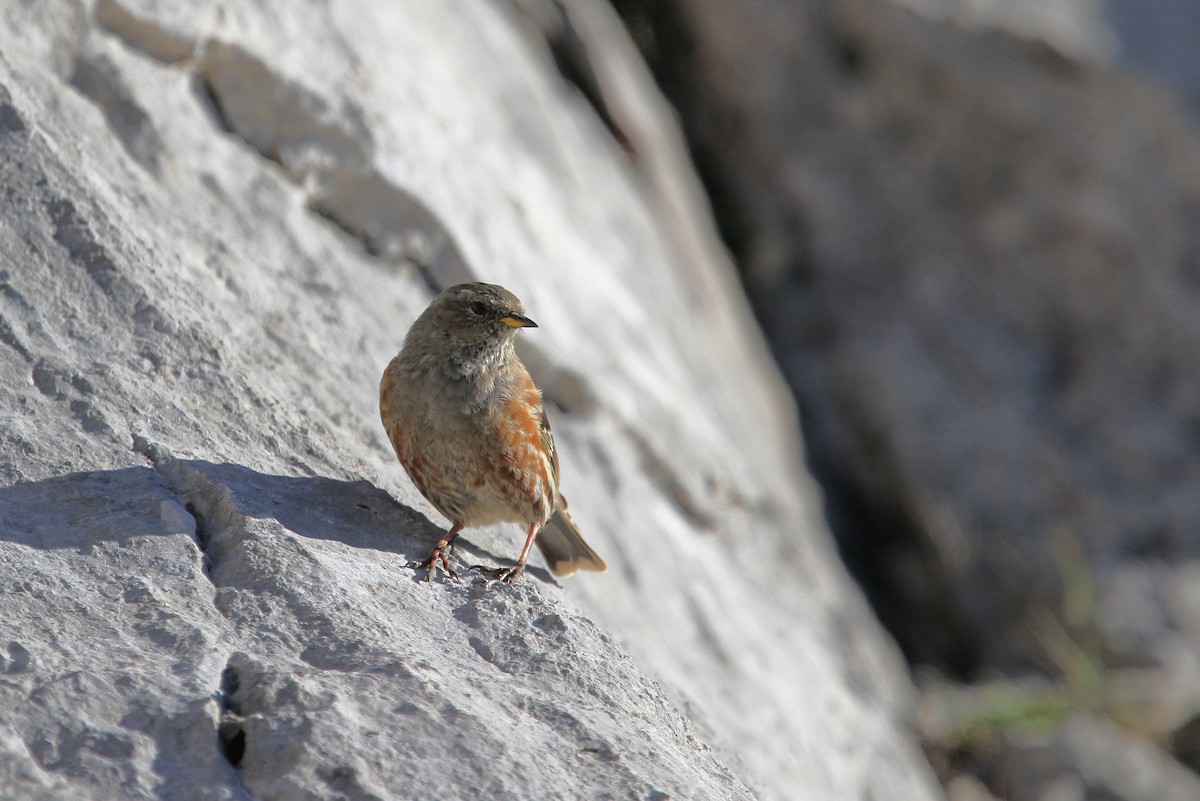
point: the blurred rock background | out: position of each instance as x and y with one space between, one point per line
971 231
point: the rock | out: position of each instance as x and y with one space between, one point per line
218 222
1094 759
976 260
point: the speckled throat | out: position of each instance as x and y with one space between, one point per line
473 373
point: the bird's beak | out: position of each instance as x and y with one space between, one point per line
515 320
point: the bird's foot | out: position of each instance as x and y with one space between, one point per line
506 574
440 556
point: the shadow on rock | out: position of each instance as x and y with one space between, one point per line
354 513
82 509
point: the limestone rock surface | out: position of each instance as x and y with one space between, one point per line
216 223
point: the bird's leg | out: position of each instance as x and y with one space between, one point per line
440 555
509 574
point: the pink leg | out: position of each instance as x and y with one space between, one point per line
440 555
509 574
519 567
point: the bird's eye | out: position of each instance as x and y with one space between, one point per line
477 307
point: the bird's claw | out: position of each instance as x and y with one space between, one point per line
504 574
440 556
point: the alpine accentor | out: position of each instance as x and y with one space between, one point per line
468 425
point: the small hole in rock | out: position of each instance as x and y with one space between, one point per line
232 738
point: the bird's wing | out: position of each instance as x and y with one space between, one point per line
548 440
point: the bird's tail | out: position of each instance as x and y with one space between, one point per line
563 546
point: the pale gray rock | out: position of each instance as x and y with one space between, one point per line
218 221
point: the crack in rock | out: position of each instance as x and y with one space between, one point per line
570 43
322 146
231 733
286 122
329 151
209 502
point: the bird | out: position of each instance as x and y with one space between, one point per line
468 424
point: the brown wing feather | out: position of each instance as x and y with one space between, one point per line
548 440
523 469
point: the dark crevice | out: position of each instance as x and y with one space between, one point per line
231 737
203 539
231 732
392 226
388 222
208 505
299 129
570 54
666 42
321 208
231 682
203 535
207 95
233 741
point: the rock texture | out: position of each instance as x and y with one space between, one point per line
218 221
